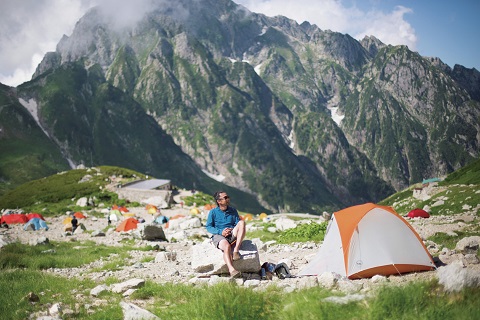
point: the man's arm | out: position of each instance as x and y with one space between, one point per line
211 224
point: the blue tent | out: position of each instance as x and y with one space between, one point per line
35 224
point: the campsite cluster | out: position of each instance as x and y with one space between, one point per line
177 258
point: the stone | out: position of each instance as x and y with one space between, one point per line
133 312
129 284
455 277
150 232
208 259
98 290
468 245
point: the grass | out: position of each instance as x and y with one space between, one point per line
21 275
423 300
301 233
450 240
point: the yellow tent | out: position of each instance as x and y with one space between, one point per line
152 210
67 220
194 211
128 214
262 216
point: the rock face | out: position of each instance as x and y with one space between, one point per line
279 111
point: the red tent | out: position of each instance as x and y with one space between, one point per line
123 209
32 215
418 213
79 215
127 224
14 218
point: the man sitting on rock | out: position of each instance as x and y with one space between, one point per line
228 230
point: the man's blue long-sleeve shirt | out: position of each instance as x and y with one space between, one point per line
218 220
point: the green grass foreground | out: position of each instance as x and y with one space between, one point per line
20 275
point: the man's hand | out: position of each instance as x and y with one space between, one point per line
226 232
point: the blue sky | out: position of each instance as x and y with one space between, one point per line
446 29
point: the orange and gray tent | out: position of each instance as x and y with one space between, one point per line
367 240
127 224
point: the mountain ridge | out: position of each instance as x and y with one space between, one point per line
250 98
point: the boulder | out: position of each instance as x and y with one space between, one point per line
133 312
468 245
129 284
208 259
150 232
456 277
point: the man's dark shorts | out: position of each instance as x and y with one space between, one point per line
216 238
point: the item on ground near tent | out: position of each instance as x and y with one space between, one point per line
282 271
418 213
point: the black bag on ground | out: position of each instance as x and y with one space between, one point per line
282 271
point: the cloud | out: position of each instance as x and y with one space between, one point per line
29 29
389 27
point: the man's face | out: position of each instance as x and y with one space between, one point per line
223 199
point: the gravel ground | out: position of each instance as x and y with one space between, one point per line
178 269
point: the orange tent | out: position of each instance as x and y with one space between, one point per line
79 215
247 217
127 224
123 209
366 240
209 206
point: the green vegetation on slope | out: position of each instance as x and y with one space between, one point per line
55 193
458 191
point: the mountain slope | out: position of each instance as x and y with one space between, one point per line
302 119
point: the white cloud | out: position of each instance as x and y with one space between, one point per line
390 27
29 29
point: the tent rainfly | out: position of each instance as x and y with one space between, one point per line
367 240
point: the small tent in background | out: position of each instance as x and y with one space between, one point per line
79 215
151 209
14 218
127 224
418 213
35 224
247 217
67 220
194 211
123 209
367 240
32 215
209 206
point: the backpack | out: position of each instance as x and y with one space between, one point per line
282 271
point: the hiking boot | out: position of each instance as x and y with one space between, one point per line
236 256
235 274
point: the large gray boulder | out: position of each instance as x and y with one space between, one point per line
150 232
208 259
456 277
468 245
